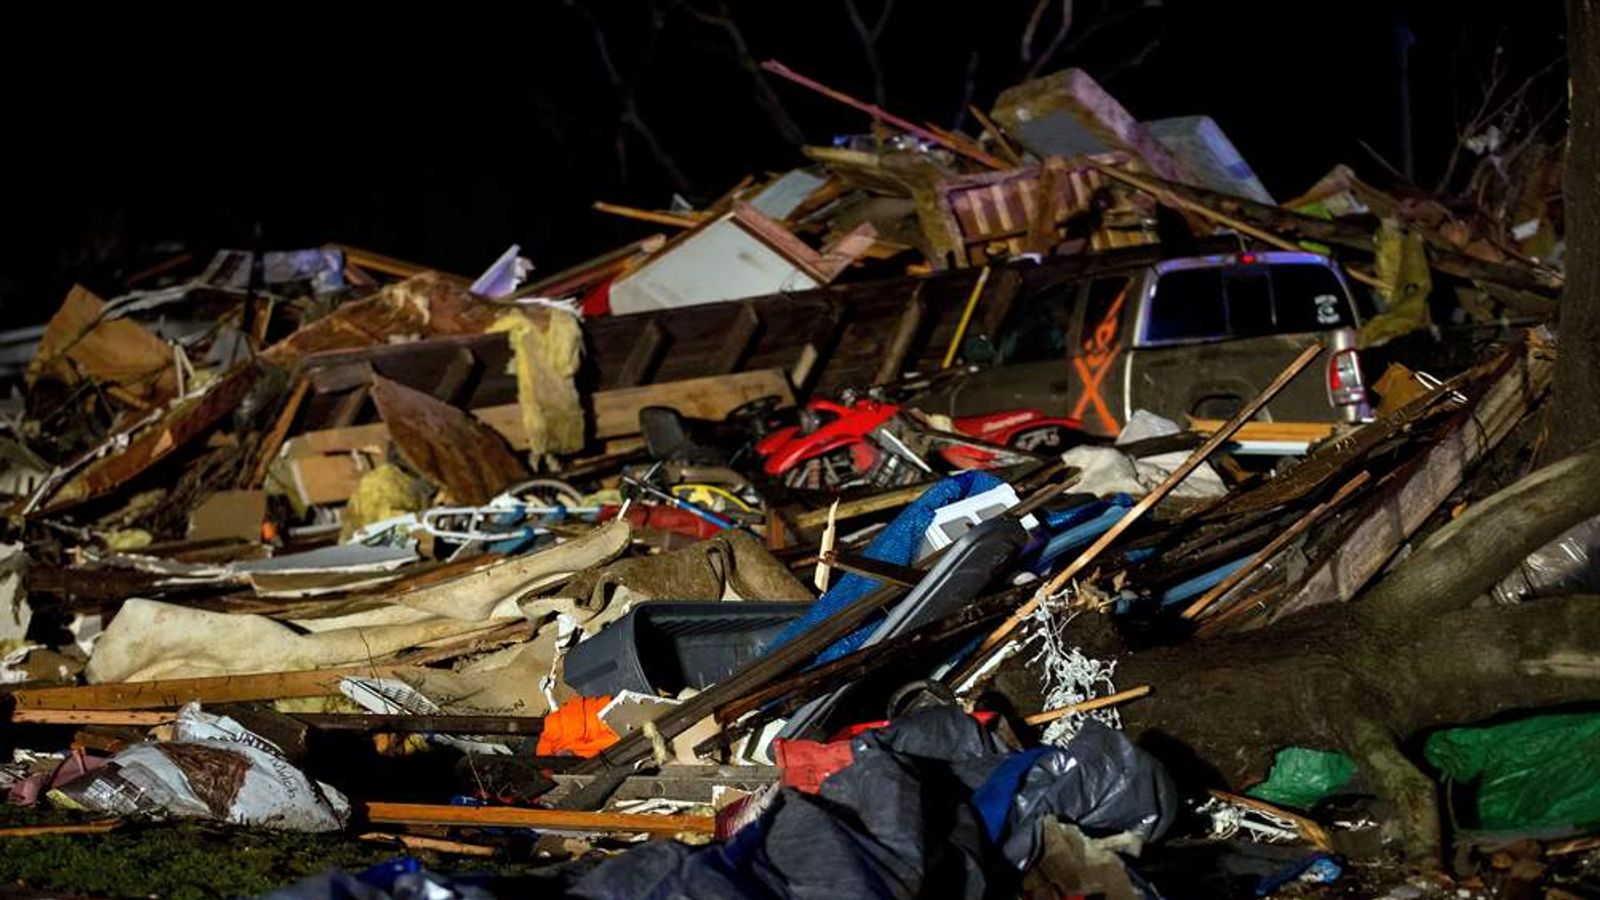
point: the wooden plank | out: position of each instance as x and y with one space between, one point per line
1410 496
97 827
389 265
739 337
864 506
173 693
517 817
350 406
90 717
446 445
418 724
1270 431
273 441
182 424
1149 501
1050 715
459 368
671 220
1176 201
1273 547
905 331
963 147
644 356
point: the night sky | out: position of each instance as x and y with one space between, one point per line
442 142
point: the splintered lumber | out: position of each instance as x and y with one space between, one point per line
1239 576
551 819
865 506
388 265
437 845
963 147
421 724
673 220
173 693
89 717
1410 496
1050 715
1150 500
1177 201
1310 432
176 428
97 827
268 449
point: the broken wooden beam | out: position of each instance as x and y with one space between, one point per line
1240 576
1149 501
1050 715
1410 496
175 692
549 819
423 724
137 718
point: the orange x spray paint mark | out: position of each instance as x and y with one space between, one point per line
1099 354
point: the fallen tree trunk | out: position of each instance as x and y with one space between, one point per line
1366 677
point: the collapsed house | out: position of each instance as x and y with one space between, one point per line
675 542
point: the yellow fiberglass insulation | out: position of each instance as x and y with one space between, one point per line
545 358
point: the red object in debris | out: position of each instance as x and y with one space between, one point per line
824 426
575 729
664 518
598 301
806 764
1021 429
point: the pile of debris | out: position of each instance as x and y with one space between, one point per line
320 541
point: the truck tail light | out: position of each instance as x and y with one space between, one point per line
1345 384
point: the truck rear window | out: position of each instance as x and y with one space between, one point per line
1246 301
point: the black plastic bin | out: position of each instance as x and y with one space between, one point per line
662 647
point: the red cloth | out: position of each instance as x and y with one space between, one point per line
575 729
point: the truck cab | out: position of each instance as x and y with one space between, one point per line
1197 336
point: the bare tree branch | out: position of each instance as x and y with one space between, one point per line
1054 46
869 35
788 129
1025 52
969 86
623 88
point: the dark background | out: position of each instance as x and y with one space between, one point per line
442 135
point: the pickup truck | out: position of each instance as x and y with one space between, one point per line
1197 336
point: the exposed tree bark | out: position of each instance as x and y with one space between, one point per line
1576 412
1365 677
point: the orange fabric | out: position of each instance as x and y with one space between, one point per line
575 729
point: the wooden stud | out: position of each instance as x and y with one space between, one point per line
1050 715
552 819
644 356
905 331
267 451
1239 576
173 693
740 336
97 827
